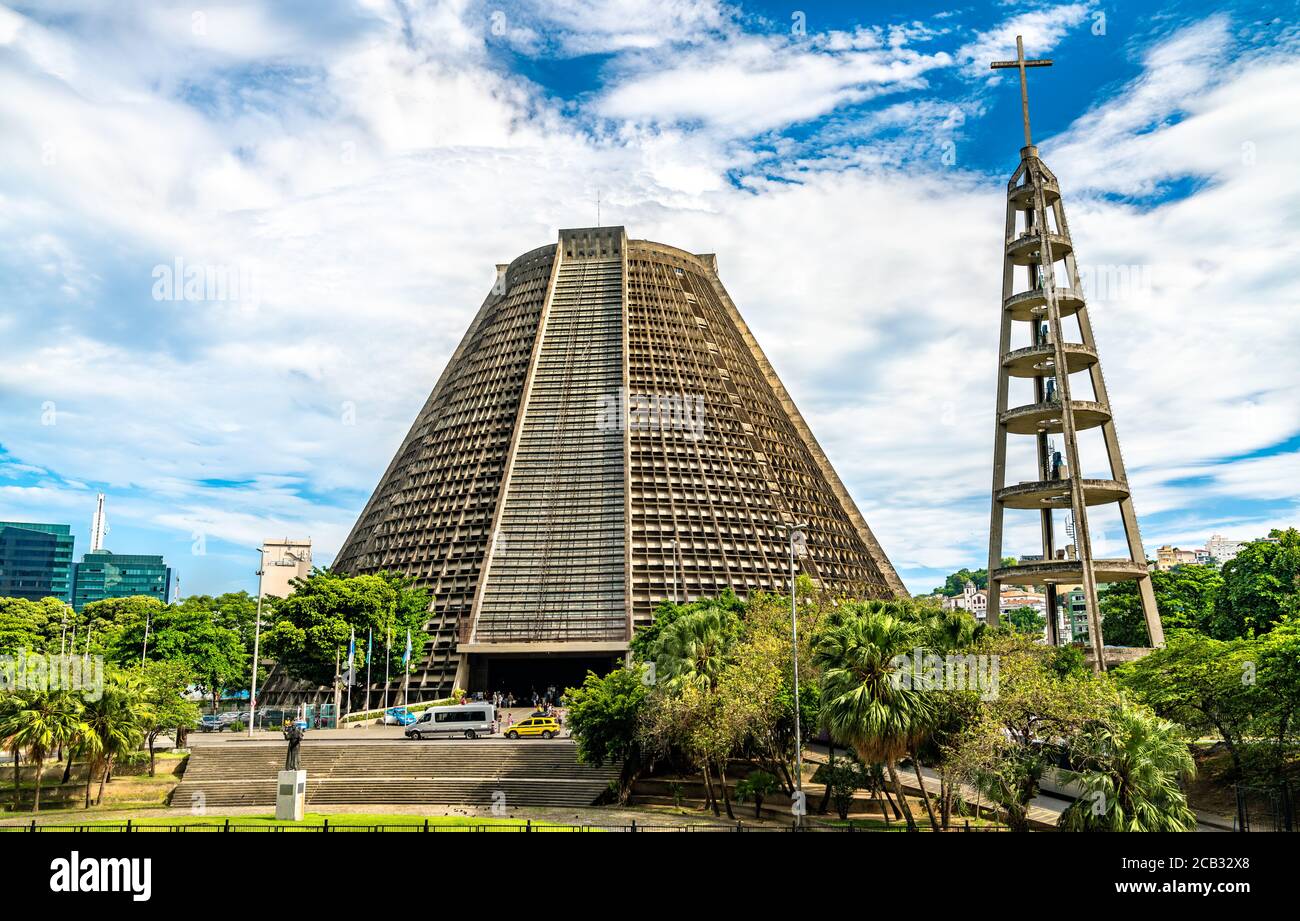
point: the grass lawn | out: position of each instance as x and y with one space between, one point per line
316 820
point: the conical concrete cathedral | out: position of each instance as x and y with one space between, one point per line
608 435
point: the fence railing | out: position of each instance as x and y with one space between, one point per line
1265 808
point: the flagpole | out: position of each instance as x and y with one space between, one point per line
352 670
388 657
337 687
370 631
406 667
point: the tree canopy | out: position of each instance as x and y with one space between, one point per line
1261 585
313 625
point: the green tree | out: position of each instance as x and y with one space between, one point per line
313 625
864 704
946 633
1204 684
114 725
1261 585
32 625
604 718
38 721
955 584
1129 766
164 686
211 656
1276 707
1186 598
1026 620
843 777
233 610
756 786
748 704
695 648
1016 736
410 611
114 625
646 638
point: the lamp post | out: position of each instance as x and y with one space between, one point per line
144 648
798 550
257 641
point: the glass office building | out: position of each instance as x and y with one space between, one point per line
103 574
35 560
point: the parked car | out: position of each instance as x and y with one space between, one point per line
544 726
213 722
398 716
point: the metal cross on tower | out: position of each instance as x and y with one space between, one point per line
1021 64
1040 291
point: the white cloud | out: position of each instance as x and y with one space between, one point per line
373 181
578 27
1041 30
758 84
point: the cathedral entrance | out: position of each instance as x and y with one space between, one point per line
525 675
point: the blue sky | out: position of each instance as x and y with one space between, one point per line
348 174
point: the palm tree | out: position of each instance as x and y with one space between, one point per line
864 705
690 655
953 632
7 709
114 725
38 721
694 649
1129 767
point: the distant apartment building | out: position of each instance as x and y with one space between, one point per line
1074 615
35 560
284 560
1221 549
1168 557
103 574
976 601
1015 598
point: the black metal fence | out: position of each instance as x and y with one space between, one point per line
526 827
1265 809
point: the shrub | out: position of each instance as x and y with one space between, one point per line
757 786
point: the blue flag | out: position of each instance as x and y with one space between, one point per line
370 637
406 656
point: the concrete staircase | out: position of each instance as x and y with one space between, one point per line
529 773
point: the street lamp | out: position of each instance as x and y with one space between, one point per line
144 649
798 550
257 640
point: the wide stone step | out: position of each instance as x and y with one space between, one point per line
525 793
412 773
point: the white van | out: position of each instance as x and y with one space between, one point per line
468 720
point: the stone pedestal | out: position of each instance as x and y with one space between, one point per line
290 795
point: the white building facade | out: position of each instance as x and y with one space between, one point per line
283 560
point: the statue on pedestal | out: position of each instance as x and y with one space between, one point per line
293 735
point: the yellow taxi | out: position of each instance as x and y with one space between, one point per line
544 726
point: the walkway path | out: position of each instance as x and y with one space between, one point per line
1044 809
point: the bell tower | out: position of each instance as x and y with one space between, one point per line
1043 304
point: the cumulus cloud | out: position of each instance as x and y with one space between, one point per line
363 169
